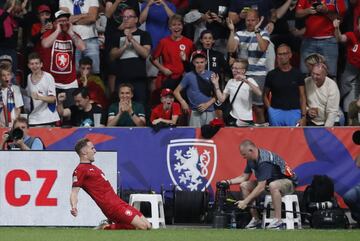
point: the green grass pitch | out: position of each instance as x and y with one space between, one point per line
171 234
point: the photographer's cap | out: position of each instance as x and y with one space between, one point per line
43 8
61 13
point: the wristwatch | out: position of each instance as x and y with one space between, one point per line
257 30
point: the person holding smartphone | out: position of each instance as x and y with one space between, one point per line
40 27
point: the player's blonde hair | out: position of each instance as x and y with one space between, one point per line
80 144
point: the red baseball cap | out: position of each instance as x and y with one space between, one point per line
166 92
43 8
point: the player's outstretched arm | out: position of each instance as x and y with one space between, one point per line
74 200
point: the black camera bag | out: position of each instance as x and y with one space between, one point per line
329 219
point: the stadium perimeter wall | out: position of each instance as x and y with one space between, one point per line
148 160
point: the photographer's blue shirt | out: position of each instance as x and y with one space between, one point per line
264 170
36 145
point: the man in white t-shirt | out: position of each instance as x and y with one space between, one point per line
41 89
252 44
241 109
83 17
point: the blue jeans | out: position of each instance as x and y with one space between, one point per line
278 117
326 47
352 199
92 51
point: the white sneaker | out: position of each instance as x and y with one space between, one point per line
254 223
276 224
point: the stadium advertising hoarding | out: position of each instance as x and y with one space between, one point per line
149 160
35 188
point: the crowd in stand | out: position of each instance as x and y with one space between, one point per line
180 62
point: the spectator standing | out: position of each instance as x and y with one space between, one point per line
41 89
287 106
92 82
319 35
10 19
350 78
173 51
84 14
156 14
322 98
114 12
354 113
215 60
10 98
239 9
38 28
60 44
213 14
126 112
82 113
129 49
241 88
199 92
252 44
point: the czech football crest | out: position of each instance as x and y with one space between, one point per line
191 163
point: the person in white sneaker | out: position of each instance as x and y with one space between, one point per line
272 174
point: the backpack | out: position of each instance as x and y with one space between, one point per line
319 201
329 219
321 189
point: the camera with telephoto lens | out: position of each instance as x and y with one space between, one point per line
14 135
320 205
221 193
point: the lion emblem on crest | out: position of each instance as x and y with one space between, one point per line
191 166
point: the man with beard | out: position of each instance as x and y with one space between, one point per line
59 59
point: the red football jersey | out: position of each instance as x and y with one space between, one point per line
169 51
93 181
353 48
59 59
320 25
158 112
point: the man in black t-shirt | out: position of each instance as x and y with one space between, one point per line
286 84
129 49
83 112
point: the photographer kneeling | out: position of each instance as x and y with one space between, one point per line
272 174
18 139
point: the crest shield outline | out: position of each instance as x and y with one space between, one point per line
189 168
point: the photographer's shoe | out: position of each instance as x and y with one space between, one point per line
254 223
276 224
